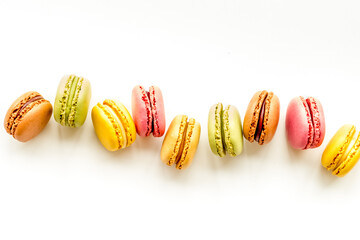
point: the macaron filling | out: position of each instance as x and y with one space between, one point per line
226 132
176 153
155 118
260 123
74 102
219 130
315 117
146 96
182 152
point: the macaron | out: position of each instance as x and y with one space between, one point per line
343 151
262 117
27 116
305 123
113 125
72 101
148 111
180 142
224 130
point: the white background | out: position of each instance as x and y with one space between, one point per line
64 185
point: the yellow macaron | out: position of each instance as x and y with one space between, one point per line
113 125
343 151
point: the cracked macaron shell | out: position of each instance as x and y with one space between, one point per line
271 116
113 125
180 142
72 101
27 116
343 151
225 130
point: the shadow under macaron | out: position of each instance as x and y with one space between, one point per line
304 157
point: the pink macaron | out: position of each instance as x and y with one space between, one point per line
305 123
148 111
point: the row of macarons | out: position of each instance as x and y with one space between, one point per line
117 129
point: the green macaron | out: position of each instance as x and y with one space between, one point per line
225 130
72 101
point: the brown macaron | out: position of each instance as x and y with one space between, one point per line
27 116
262 117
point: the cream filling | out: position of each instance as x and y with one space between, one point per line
219 130
74 102
228 145
179 141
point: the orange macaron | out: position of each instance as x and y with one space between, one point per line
262 117
27 116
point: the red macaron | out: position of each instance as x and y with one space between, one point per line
148 111
305 123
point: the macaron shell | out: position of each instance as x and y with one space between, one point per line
271 119
337 146
126 120
173 138
299 129
191 143
104 129
33 121
158 111
233 136
215 130
141 111
318 117
252 115
352 157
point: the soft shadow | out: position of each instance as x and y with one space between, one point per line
66 133
326 178
295 155
252 149
308 157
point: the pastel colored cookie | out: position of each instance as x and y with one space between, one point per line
305 123
148 111
72 101
180 142
343 151
113 125
262 117
224 130
27 116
